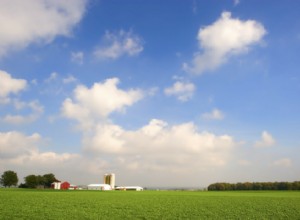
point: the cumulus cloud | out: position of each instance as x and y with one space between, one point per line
266 140
158 146
22 153
119 44
31 21
215 114
183 91
226 37
99 101
18 146
9 85
13 144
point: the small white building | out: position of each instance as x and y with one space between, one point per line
130 188
56 185
99 187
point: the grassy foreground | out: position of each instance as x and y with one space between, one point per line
50 204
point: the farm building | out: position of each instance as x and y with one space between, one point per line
129 188
109 179
73 187
65 185
99 187
60 185
56 185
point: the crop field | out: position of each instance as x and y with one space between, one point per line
50 204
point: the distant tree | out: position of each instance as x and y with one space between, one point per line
23 185
255 186
49 179
9 178
31 181
296 185
40 182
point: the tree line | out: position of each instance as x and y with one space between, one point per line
255 186
10 178
38 181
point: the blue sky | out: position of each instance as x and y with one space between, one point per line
162 93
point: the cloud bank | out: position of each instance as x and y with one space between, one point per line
160 147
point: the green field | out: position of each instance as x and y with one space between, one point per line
50 204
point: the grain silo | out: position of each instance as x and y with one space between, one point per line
110 179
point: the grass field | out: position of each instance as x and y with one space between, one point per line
50 204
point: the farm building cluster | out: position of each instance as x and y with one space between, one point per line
108 184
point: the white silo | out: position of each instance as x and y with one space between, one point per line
110 179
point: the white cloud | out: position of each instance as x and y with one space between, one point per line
17 146
13 144
32 21
266 140
158 146
284 162
215 114
77 57
153 147
224 38
10 85
99 101
119 44
183 91
35 107
21 153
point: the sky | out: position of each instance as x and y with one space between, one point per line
162 93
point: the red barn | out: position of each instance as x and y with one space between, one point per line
65 185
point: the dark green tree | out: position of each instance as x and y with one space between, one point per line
9 178
49 179
40 181
31 181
